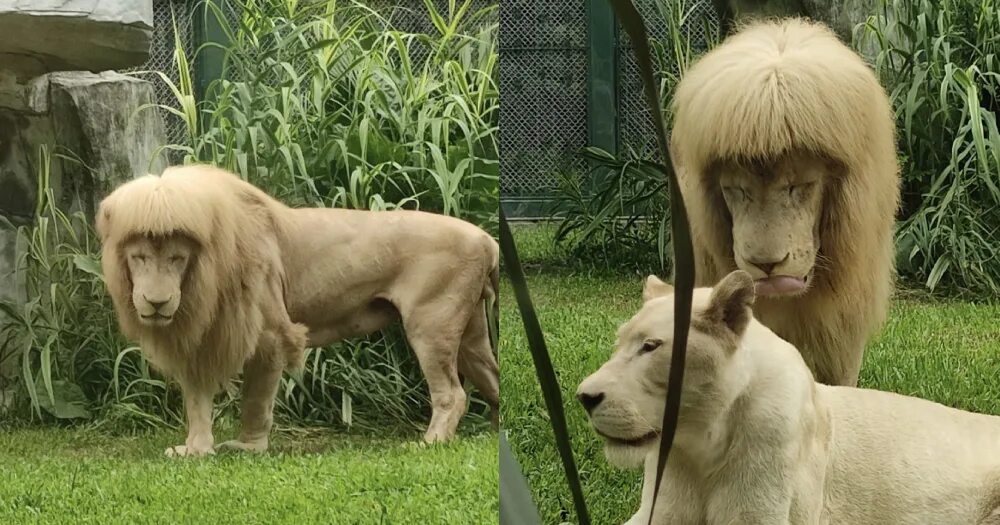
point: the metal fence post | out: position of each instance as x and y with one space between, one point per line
602 88
209 63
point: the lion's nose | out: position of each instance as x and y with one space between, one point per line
156 304
767 266
590 401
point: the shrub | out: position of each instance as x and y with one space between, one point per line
940 62
617 215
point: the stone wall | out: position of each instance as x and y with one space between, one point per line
87 117
841 15
93 118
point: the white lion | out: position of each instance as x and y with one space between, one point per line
784 146
760 442
213 277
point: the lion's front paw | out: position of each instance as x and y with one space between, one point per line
257 446
182 451
432 437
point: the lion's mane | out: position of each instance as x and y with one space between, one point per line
220 319
776 87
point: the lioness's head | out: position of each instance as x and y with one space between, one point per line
776 207
625 397
157 266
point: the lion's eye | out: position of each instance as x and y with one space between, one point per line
649 345
139 257
735 192
176 259
794 189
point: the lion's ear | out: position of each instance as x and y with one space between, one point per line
654 288
731 301
103 221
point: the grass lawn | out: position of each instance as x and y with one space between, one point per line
947 352
82 475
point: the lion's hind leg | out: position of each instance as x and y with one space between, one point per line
434 331
477 362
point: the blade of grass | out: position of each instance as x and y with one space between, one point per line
543 367
630 19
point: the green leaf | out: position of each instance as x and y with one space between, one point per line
683 250
89 265
68 401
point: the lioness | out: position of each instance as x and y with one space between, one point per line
213 277
760 442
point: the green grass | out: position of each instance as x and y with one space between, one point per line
83 475
944 351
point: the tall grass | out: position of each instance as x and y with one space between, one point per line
940 62
64 339
322 104
328 104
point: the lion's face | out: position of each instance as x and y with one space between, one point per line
625 397
776 208
157 266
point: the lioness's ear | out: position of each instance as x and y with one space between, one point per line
731 300
654 288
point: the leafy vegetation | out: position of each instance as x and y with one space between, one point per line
329 104
940 62
617 214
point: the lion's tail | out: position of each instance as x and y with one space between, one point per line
491 296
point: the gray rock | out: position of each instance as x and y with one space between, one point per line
38 36
841 15
94 117
117 140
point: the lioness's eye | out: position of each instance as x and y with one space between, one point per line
176 259
649 345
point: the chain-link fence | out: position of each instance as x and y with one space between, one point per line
161 58
407 15
635 126
543 94
544 81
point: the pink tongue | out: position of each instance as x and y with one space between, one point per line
780 284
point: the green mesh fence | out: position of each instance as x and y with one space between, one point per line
545 117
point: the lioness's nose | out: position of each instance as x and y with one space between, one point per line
155 304
590 401
767 266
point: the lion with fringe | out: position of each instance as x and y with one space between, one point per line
213 277
783 141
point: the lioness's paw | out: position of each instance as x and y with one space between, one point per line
246 446
182 451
